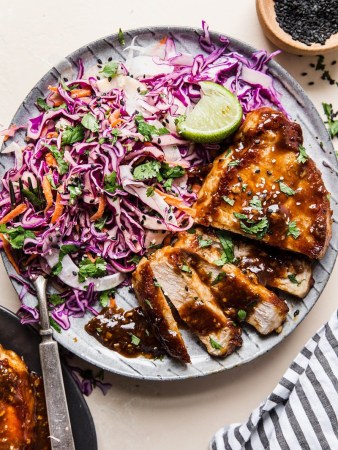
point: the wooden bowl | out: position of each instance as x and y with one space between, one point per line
272 30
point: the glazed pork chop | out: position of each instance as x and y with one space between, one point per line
158 312
23 423
265 187
269 267
194 302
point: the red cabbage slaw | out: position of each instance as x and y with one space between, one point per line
100 128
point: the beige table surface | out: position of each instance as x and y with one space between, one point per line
134 415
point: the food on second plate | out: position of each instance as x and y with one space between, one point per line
194 301
270 267
266 187
23 416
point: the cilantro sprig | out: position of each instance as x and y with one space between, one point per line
147 130
92 269
16 236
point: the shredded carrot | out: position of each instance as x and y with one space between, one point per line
114 118
50 160
163 40
78 93
90 257
58 209
177 202
47 192
52 88
196 187
100 211
112 303
56 99
52 134
7 249
14 213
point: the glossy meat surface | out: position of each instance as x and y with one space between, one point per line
269 267
261 188
155 306
195 302
23 423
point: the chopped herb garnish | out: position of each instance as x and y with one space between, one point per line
293 279
286 189
105 297
148 303
135 259
16 236
135 340
58 155
218 278
240 216
241 314
54 324
110 184
293 230
191 231
56 299
156 283
215 344
203 242
255 203
41 103
150 191
331 121
120 37
172 171
234 163
110 69
229 201
180 119
244 186
228 248
90 269
65 249
89 122
147 130
168 184
73 134
259 229
146 171
302 156
75 191
100 223
185 268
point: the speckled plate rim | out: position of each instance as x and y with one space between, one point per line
312 125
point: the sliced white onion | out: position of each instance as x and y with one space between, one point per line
254 77
145 65
12 147
69 268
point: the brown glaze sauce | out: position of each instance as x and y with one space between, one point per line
126 332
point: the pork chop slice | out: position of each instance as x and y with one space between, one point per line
265 187
194 302
158 312
271 267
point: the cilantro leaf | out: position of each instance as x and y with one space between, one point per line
110 69
256 203
120 37
89 122
203 242
150 169
171 172
302 156
56 299
229 201
286 189
65 249
191 231
34 198
135 259
105 297
293 279
293 230
215 344
150 191
110 184
168 184
89 269
218 279
72 135
100 223
259 229
185 268
54 324
331 121
241 314
147 130
135 340
41 103
149 304
228 248
75 191
240 216
58 155
234 163
16 236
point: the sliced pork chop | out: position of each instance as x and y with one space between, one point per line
265 187
234 292
194 302
158 312
270 267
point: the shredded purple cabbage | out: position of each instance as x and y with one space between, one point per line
100 158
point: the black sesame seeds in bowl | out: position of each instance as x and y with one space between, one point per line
303 27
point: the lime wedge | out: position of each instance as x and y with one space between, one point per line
216 115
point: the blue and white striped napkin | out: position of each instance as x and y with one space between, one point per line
302 411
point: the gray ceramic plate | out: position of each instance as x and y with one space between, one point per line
302 110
